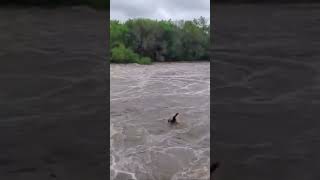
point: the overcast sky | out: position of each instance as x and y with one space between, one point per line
159 9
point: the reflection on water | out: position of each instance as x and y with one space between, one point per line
143 145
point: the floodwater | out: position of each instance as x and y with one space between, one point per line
143 145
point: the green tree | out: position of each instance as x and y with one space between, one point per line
159 40
118 33
121 54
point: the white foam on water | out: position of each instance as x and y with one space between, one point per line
143 145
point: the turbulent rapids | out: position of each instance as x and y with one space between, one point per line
144 146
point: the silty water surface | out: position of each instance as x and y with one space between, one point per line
143 145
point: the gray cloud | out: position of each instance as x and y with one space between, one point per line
159 9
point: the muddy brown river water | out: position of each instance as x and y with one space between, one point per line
143 145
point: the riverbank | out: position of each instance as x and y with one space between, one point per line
167 61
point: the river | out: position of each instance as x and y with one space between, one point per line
142 98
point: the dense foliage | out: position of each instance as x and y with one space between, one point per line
143 40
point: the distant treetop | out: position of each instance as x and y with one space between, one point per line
159 40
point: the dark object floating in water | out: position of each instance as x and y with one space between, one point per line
173 120
214 166
53 175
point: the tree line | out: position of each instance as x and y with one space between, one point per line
145 40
